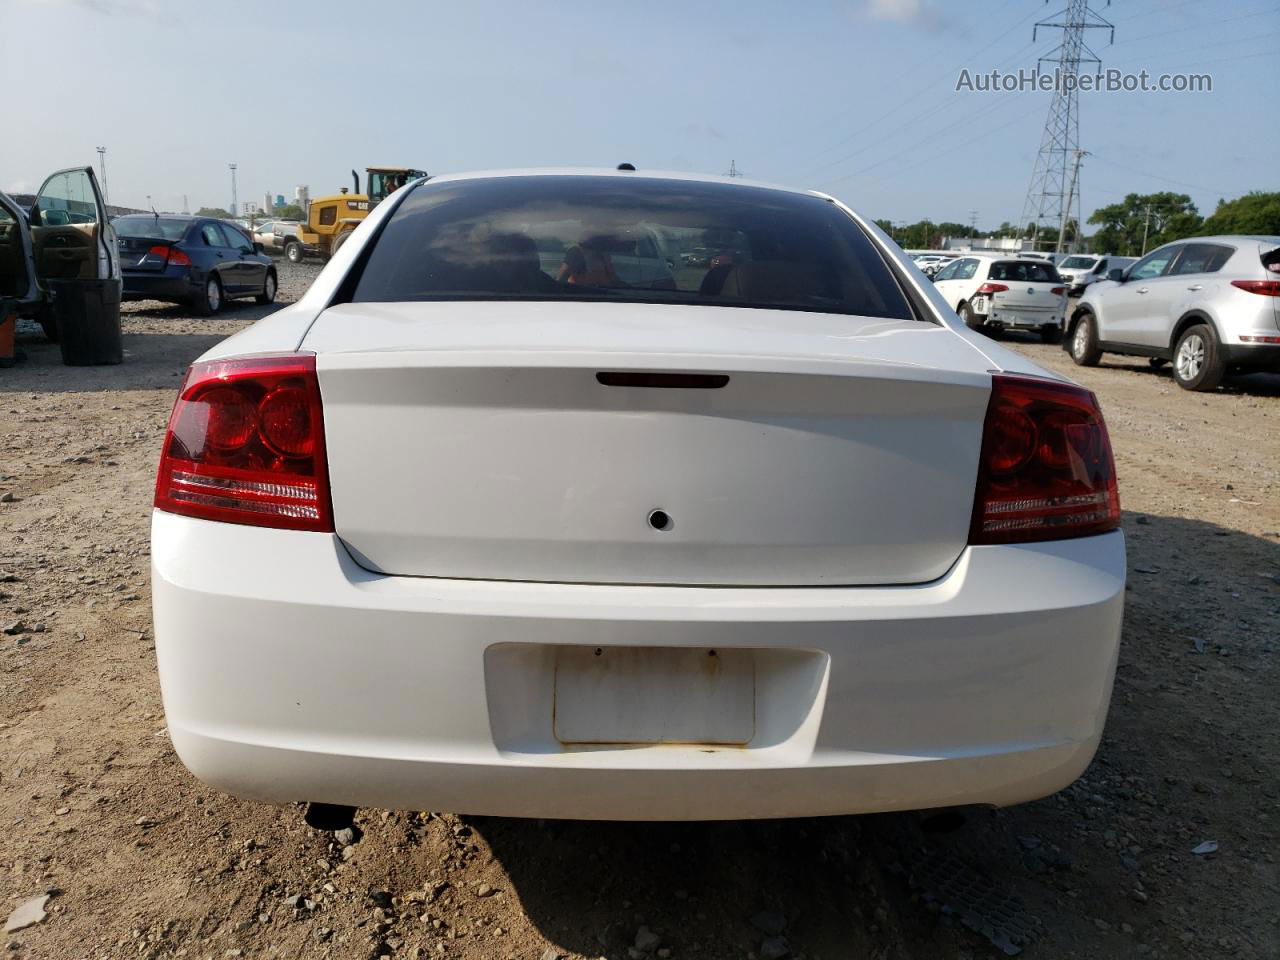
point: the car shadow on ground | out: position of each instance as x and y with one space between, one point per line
245 310
151 361
1103 866
1251 384
160 341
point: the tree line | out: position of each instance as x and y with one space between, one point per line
1139 222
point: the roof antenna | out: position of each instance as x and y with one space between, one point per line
626 166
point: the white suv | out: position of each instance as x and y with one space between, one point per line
1209 304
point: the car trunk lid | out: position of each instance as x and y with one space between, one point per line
143 254
535 441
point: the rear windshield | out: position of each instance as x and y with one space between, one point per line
1024 271
152 228
1078 263
623 239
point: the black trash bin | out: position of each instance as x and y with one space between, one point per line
88 317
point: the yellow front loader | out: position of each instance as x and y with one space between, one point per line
330 220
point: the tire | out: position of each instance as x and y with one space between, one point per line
293 252
269 288
48 323
338 241
1084 342
969 317
1197 359
1051 333
211 302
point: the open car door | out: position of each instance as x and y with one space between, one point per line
17 267
73 246
71 236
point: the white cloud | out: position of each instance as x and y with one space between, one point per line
899 11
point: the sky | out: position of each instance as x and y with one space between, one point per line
853 97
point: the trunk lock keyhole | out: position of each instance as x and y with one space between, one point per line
659 519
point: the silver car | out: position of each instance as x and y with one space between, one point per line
1208 304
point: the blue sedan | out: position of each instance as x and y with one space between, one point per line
191 260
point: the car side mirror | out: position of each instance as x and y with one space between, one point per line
1116 275
257 248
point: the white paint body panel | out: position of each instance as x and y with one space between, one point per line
473 440
292 673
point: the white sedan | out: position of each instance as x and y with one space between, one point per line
1017 293
779 539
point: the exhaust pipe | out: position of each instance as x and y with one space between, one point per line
355 178
329 816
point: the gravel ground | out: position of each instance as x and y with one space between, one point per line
140 860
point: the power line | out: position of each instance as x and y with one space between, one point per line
1156 176
1197 26
927 88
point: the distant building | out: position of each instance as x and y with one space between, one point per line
992 244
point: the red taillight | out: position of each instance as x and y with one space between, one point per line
1267 288
1058 291
246 445
172 255
1046 470
989 288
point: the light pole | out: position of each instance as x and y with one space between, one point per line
233 188
102 163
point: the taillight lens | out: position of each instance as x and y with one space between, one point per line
1268 288
990 288
246 445
1046 470
172 255
1058 291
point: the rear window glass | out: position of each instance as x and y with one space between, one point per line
1078 263
1024 271
624 239
150 227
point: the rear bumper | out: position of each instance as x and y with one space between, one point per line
1253 356
175 283
294 674
1024 320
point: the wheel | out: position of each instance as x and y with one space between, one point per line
1051 333
1197 361
1156 362
969 317
1084 342
268 294
293 252
338 241
48 323
211 302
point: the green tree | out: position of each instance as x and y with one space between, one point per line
1255 212
290 211
1161 217
216 212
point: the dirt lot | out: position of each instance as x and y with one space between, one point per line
144 861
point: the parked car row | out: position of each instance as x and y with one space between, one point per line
1209 305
